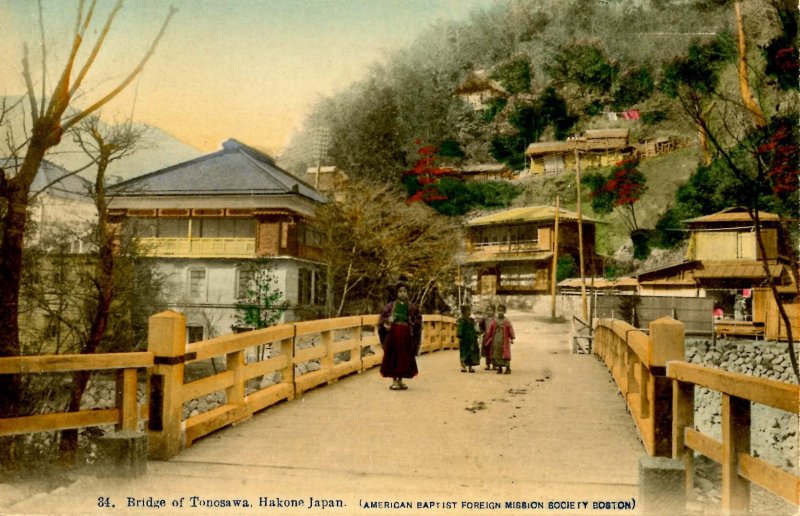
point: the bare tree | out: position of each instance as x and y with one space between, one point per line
372 236
50 117
103 146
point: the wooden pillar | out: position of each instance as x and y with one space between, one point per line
234 363
682 418
126 400
167 341
287 373
666 344
735 440
327 360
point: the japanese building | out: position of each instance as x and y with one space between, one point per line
205 221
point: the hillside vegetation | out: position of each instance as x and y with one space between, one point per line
722 73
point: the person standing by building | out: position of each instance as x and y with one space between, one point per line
467 340
402 323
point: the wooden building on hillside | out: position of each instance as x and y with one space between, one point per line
484 172
596 147
511 251
478 88
203 222
724 261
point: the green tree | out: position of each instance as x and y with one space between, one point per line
263 303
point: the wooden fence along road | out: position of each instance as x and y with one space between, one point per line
553 433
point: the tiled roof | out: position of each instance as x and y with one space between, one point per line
526 214
237 169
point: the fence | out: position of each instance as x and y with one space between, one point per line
658 387
168 355
694 312
345 337
637 362
739 467
125 415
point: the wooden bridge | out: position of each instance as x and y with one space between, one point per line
559 434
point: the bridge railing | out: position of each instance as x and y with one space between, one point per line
739 466
126 415
637 362
324 340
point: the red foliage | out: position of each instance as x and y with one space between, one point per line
427 175
626 184
780 152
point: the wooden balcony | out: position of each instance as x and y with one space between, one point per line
199 247
507 252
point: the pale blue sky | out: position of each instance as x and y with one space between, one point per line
246 69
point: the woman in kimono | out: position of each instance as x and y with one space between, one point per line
402 324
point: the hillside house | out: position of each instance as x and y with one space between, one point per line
477 89
725 262
596 147
484 172
511 251
204 221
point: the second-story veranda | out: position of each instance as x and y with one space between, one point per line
234 203
511 251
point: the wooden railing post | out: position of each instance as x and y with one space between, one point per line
327 361
666 338
735 440
683 417
126 400
234 362
287 373
167 341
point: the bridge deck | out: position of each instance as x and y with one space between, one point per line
554 429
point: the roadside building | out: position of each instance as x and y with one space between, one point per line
204 221
511 251
725 262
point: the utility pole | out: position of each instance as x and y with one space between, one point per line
584 310
555 263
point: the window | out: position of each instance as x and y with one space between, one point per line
197 284
304 286
244 283
173 228
194 333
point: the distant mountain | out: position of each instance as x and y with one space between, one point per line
157 150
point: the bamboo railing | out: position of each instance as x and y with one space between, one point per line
637 363
739 466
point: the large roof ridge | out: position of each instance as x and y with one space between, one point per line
160 171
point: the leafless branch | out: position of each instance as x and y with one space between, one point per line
97 105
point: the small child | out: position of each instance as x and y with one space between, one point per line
467 340
501 337
487 322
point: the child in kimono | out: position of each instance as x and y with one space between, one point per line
500 335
